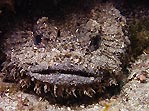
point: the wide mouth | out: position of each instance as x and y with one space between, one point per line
63 82
70 75
68 69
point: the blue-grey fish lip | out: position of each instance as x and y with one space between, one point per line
67 75
67 69
64 79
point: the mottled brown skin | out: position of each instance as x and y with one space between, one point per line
81 57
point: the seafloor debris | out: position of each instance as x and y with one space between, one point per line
82 56
140 69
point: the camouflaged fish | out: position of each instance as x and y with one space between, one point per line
82 56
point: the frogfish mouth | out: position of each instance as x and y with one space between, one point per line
81 57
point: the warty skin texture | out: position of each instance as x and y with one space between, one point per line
81 57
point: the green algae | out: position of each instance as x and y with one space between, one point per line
139 36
